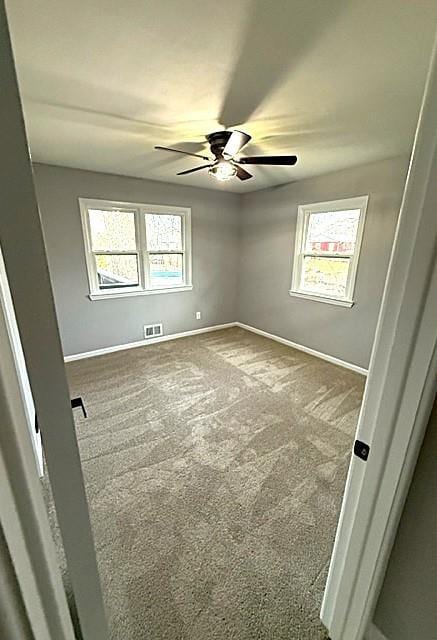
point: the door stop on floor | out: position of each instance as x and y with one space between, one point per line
78 402
75 402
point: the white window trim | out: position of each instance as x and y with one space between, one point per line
303 214
139 209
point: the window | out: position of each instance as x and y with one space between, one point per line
328 240
134 249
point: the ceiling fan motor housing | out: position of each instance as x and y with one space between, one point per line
218 142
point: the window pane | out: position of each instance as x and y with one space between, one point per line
164 232
332 232
115 271
112 230
166 269
325 276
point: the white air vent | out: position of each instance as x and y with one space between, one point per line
153 330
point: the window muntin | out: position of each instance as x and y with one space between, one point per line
327 249
136 248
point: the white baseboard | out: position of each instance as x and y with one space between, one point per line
312 352
217 327
145 343
373 633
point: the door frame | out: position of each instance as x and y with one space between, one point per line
25 259
23 516
398 398
395 409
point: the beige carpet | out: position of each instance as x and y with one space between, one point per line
214 467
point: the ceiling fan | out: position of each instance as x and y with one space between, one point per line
225 145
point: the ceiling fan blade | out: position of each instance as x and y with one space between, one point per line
243 174
184 173
185 153
235 143
274 160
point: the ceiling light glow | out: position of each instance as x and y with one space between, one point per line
223 170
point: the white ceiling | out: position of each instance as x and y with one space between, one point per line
338 82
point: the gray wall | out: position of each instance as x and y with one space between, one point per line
242 256
407 607
86 325
267 247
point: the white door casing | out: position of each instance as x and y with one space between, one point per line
398 397
25 259
23 516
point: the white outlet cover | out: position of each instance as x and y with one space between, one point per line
198 315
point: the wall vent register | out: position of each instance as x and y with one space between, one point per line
153 330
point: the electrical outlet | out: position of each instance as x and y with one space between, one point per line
198 315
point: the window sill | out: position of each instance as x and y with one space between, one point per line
314 298
131 294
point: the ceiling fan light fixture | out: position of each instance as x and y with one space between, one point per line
224 160
223 170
